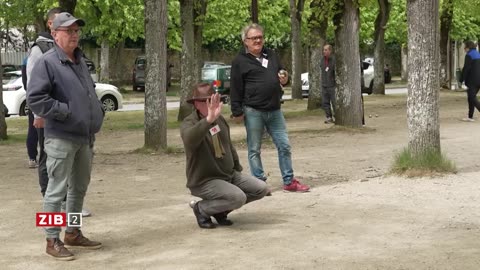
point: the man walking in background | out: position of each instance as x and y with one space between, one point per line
471 76
327 67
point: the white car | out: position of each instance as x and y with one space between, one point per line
14 96
367 83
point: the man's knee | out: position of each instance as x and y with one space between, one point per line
237 199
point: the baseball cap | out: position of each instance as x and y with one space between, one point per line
66 19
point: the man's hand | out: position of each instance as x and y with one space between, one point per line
214 108
238 119
283 77
39 122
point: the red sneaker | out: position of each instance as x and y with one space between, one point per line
296 186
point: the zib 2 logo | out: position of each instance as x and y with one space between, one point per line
58 219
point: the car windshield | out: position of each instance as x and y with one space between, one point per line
209 74
15 81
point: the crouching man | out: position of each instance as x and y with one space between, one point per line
213 169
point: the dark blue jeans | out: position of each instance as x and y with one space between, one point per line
472 100
32 138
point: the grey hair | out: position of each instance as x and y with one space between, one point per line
250 27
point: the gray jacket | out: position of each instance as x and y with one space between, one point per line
328 71
63 93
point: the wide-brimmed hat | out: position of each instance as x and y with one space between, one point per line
201 92
65 19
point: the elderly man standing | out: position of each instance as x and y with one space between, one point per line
213 169
327 66
62 92
256 83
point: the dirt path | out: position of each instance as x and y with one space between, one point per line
356 216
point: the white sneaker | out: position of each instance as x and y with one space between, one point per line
86 212
468 120
32 164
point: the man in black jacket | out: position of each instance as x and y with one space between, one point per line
327 67
256 83
471 76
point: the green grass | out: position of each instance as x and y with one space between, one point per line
14 139
430 163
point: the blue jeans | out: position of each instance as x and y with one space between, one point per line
255 123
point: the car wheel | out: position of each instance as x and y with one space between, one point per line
23 109
109 103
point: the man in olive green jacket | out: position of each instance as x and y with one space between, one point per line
213 168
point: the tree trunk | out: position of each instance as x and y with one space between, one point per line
3 124
68 5
200 13
379 53
296 9
423 83
156 74
318 23
254 11
445 26
348 107
404 55
187 79
104 62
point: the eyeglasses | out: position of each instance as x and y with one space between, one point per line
255 38
71 31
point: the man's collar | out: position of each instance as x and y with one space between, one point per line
263 54
63 56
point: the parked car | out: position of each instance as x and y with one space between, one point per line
14 96
219 77
367 78
138 74
6 75
208 64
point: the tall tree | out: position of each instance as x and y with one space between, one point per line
445 25
111 22
156 74
423 83
317 23
3 124
379 41
187 79
296 10
200 10
348 109
254 11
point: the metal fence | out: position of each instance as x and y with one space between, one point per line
13 58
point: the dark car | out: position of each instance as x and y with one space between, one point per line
138 76
219 77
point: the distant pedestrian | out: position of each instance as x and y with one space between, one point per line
327 67
471 76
